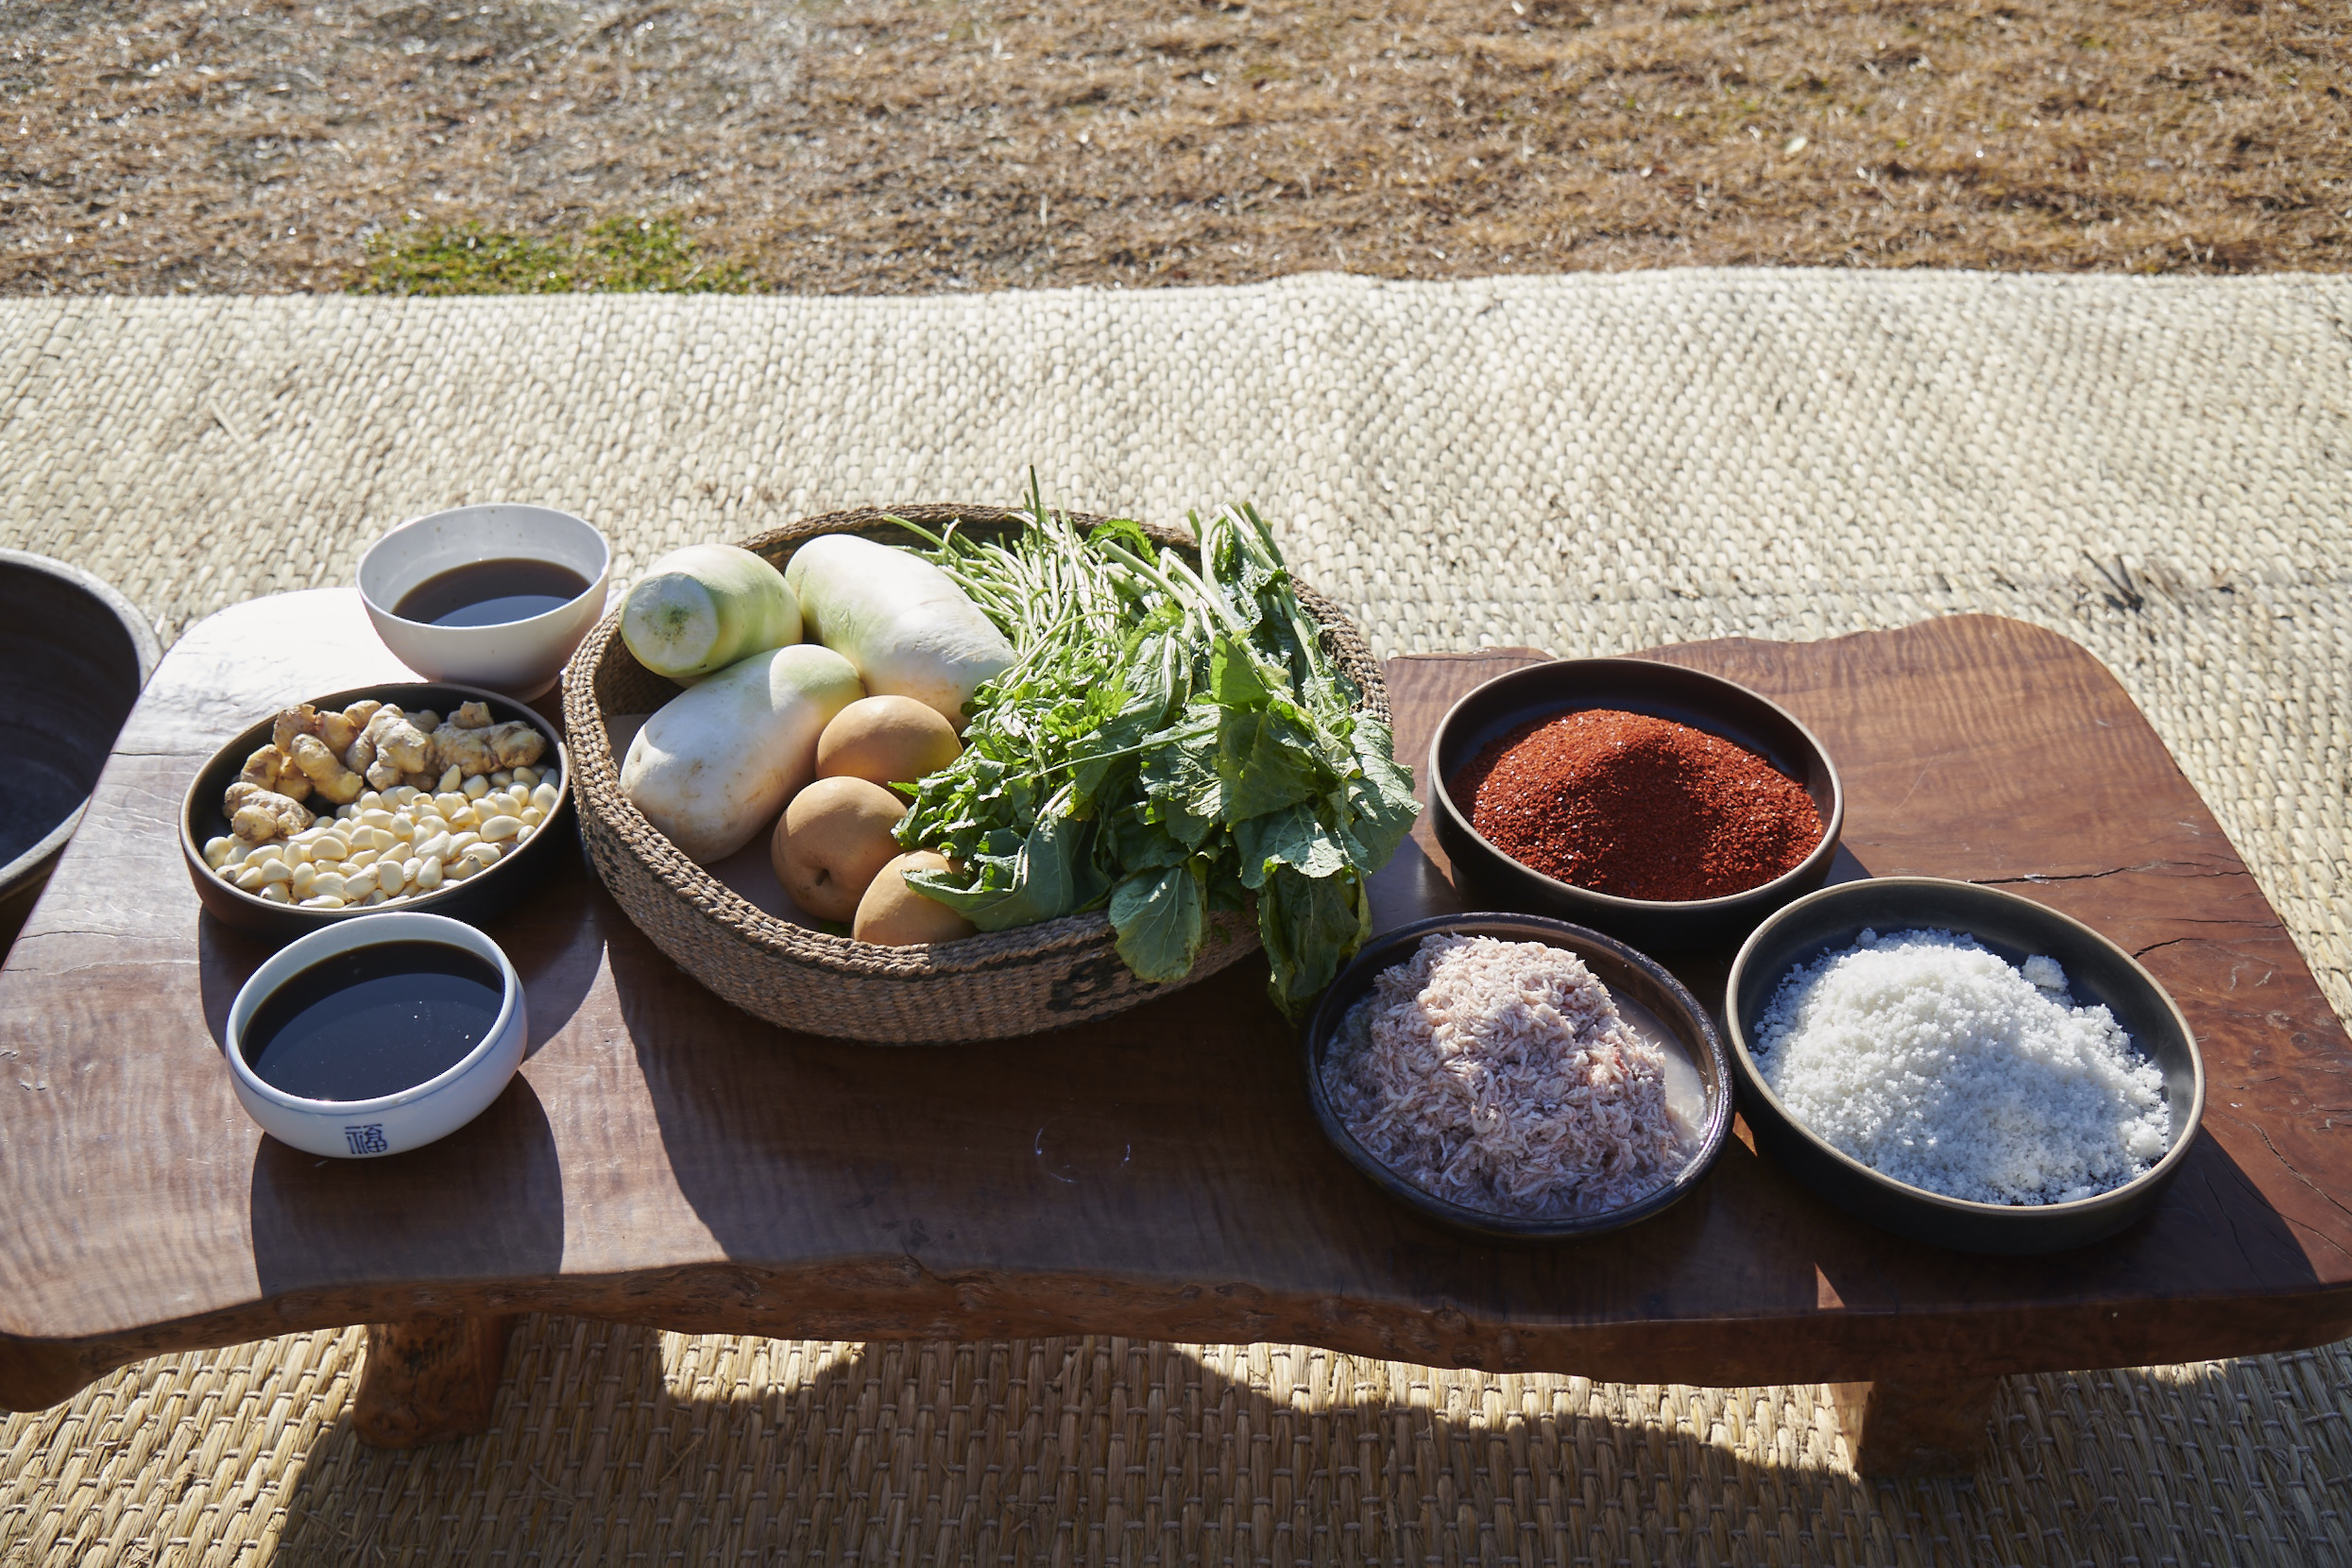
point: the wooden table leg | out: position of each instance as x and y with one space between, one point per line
429 1379
1916 1427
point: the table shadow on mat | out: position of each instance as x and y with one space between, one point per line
1099 1448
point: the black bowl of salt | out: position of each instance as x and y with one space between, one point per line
1903 1034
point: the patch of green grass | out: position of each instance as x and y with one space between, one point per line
617 256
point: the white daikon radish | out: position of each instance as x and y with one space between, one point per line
705 607
901 621
713 767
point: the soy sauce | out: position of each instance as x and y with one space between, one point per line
374 1020
490 593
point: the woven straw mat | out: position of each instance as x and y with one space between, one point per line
2161 469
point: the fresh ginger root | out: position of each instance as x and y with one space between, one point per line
368 746
291 722
425 775
257 815
405 746
361 757
516 744
388 750
273 769
465 748
338 730
328 775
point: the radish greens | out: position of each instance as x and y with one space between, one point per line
1168 743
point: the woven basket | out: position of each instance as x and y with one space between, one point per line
983 987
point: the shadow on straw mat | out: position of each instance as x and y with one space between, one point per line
973 1441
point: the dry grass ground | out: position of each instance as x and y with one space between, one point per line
897 145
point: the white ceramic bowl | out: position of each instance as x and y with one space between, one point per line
390 1124
520 658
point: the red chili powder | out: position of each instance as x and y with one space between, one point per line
1637 806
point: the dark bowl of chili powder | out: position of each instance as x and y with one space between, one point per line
1669 807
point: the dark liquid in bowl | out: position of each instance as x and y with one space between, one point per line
490 593
374 1020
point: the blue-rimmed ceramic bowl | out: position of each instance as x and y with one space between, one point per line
410 1117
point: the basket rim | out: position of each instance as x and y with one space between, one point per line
595 777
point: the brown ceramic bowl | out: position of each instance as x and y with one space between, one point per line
474 900
1491 879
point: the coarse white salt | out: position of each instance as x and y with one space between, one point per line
1938 1062
1500 1075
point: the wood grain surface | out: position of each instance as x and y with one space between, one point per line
662 1159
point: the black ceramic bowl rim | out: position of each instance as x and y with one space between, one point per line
1394 947
2035 1213
1815 865
144 646
192 847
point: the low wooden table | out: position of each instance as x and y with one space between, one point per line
667 1161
